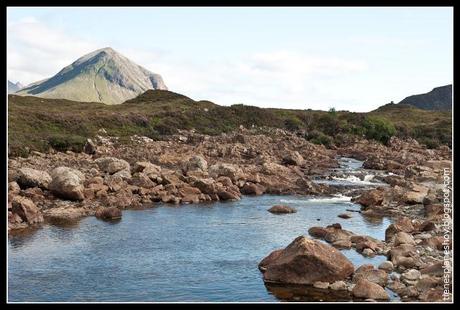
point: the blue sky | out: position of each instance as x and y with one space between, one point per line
349 58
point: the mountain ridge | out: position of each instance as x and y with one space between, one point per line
439 98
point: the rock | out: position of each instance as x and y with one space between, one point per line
368 252
402 224
110 213
228 195
410 275
293 158
194 163
387 266
377 276
436 269
306 261
124 174
371 198
67 183
426 282
226 170
436 242
26 210
433 295
90 147
281 209
433 210
427 226
252 189
13 188
416 195
344 215
112 165
338 286
59 215
337 234
147 168
206 186
28 177
140 179
321 285
342 244
113 182
318 232
403 238
366 289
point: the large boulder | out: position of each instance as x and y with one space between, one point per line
252 189
194 163
403 238
227 170
371 198
368 290
401 224
306 261
67 183
293 158
112 165
28 177
26 210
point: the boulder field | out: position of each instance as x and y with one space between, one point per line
191 168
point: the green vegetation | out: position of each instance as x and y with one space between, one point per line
37 124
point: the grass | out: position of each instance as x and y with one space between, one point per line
37 124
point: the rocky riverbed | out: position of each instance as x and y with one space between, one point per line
192 168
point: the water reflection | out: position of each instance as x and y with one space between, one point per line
306 293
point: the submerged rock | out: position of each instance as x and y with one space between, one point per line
278 209
306 261
110 213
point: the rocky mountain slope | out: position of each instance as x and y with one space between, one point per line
101 76
440 98
14 87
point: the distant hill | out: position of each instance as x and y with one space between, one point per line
440 99
101 76
14 87
36 124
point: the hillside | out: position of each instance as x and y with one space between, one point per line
101 76
37 123
440 99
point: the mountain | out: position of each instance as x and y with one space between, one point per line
14 87
440 98
101 76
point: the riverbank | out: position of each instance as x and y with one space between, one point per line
195 169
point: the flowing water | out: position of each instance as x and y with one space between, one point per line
206 252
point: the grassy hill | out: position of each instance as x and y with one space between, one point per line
37 124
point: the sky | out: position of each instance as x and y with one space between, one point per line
354 59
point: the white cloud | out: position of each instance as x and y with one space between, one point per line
36 51
285 79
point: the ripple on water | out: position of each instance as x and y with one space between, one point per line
188 253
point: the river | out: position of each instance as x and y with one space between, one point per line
206 252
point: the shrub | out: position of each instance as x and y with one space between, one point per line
317 137
379 129
63 142
293 124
